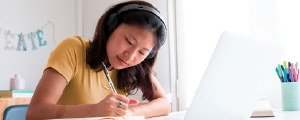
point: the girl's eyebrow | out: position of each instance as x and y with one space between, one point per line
137 41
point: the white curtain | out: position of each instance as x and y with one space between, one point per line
205 20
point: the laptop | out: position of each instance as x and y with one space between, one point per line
235 78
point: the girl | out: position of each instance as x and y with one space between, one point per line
127 39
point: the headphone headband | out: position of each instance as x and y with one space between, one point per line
140 7
111 23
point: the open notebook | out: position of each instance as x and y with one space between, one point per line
263 109
105 118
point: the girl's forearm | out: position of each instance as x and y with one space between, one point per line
157 107
43 111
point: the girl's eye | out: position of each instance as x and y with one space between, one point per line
142 53
128 42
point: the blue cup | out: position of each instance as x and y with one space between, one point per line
290 94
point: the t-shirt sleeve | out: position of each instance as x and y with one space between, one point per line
63 58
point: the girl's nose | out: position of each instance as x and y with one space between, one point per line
129 55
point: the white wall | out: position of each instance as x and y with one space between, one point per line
28 16
285 26
204 22
268 20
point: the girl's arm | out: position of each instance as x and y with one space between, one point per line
50 88
157 107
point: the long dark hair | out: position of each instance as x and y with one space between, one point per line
138 76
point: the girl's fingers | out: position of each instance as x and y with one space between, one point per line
122 98
120 112
123 106
133 102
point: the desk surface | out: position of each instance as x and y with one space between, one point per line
279 115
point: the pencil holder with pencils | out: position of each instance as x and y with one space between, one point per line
290 86
290 94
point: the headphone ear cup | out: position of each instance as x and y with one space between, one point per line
151 54
112 22
110 19
114 25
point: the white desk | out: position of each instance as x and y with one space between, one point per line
279 115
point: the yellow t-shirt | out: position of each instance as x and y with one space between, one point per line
84 85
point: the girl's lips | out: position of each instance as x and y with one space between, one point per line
121 61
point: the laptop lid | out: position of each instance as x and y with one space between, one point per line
235 78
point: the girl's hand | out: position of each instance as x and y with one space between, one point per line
129 113
109 106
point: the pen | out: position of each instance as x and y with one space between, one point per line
287 71
285 67
294 73
281 79
280 71
284 71
282 68
298 75
109 80
296 67
291 75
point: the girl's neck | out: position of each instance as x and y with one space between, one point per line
110 68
